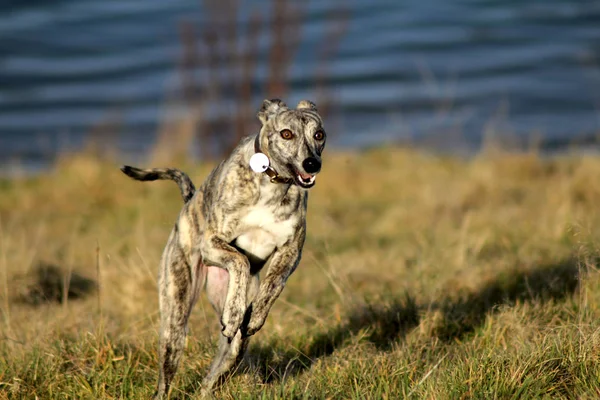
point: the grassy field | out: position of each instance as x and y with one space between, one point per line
423 277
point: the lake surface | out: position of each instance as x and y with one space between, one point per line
441 72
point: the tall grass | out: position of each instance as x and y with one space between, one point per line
423 277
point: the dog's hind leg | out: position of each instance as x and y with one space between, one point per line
179 282
231 351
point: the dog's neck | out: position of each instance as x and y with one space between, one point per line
270 171
273 193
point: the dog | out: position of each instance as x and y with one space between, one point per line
238 224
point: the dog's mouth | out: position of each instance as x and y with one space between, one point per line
303 179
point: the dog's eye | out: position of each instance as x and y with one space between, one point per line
319 135
286 134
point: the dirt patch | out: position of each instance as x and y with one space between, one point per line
49 283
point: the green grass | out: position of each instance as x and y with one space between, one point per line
423 277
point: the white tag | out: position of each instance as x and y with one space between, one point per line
259 162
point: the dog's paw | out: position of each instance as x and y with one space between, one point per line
255 324
231 322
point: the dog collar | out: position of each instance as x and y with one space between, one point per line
270 171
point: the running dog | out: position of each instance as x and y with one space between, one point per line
237 225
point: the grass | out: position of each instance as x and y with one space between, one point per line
423 277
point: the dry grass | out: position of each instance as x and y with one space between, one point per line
422 277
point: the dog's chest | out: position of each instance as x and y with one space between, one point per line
262 231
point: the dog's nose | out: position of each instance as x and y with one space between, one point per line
311 165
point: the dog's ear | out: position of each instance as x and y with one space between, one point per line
306 105
270 108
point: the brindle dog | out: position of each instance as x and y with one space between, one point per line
236 225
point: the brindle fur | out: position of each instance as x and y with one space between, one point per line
236 225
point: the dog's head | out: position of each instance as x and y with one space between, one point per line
293 139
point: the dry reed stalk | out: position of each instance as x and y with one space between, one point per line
228 64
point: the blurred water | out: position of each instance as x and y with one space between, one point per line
440 71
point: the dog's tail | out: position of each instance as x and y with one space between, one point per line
186 186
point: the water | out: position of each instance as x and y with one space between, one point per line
437 71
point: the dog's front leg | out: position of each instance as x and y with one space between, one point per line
280 266
216 251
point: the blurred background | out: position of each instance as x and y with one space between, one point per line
185 77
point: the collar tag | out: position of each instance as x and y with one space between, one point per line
259 162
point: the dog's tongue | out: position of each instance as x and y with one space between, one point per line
304 175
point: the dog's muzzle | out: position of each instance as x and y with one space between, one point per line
305 177
302 178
